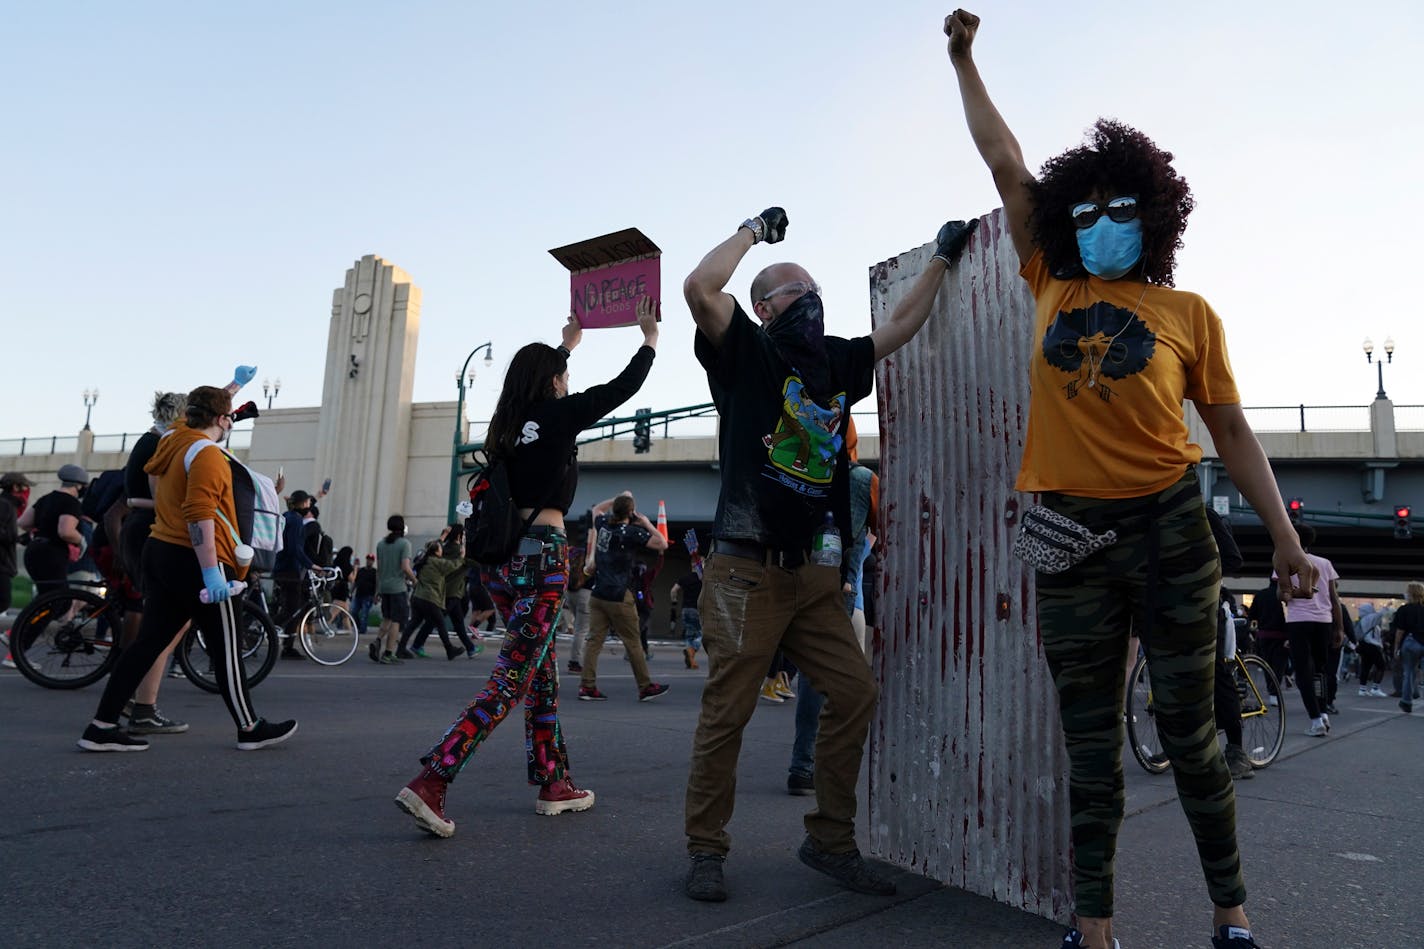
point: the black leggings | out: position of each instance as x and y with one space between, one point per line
1310 651
172 581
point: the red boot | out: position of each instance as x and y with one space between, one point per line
562 796
424 799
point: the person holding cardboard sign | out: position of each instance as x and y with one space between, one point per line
533 432
773 581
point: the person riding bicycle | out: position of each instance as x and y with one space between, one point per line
191 555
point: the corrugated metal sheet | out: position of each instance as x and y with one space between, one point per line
967 771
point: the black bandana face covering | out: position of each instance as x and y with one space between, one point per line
799 335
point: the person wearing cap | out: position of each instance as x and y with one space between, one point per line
189 560
54 519
14 496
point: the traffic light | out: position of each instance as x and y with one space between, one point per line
1297 509
643 432
1402 529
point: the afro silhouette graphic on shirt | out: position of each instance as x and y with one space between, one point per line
1097 346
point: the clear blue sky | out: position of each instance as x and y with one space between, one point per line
187 183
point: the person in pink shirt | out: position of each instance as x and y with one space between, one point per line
1312 626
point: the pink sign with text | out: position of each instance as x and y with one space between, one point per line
608 275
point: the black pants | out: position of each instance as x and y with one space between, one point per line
6 585
47 563
1310 652
1276 651
426 618
290 603
455 608
173 581
1228 701
1371 661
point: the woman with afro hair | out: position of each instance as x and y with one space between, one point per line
1117 351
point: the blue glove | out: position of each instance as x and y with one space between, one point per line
242 375
215 581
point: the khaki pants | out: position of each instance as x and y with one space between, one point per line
749 609
623 617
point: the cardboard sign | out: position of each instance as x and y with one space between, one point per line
609 274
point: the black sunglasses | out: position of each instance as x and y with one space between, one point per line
1120 209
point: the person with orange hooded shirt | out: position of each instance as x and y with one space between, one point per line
191 556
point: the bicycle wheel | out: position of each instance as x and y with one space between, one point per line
1142 722
329 634
257 638
65 639
1263 725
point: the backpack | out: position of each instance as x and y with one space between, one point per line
326 551
493 529
255 497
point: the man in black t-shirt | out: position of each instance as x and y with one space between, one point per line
784 391
619 532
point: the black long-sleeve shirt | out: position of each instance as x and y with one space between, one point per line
546 444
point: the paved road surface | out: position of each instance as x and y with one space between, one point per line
193 843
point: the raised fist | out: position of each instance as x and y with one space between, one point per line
950 241
242 375
769 226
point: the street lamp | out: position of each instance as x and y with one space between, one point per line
465 378
1369 348
270 390
90 397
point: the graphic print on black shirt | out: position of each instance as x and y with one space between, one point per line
1102 341
807 437
782 456
613 561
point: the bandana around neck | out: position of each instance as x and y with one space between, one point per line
799 335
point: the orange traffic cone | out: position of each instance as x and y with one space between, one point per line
662 520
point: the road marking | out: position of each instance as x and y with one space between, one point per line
1359 857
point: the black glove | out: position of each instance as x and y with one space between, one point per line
769 226
950 241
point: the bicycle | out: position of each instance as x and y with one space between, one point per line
328 632
69 639
1263 725
257 640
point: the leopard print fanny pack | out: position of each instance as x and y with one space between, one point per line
1052 543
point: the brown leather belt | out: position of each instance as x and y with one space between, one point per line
751 550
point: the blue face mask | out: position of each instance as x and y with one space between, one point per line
1110 249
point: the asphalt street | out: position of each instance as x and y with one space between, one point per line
194 843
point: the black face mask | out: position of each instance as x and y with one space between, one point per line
799 335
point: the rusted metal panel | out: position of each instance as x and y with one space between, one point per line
968 773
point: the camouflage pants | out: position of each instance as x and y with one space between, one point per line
1161 578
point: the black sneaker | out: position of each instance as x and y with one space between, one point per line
575 666
265 733
375 651
801 785
148 720
704 878
110 738
848 869
1233 937
653 690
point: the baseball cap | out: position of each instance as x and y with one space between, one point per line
13 478
73 474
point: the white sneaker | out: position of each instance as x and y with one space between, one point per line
1326 719
1378 693
1364 692
1317 730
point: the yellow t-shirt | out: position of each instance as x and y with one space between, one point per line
1112 362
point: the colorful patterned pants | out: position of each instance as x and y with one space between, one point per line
1161 578
528 592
